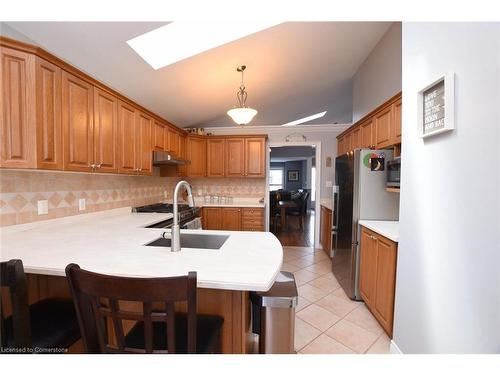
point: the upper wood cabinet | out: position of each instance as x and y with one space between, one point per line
105 128
159 137
379 129
144 153
17 108
377 280
382 121
215 157
174 142
366 132
255 157
197 153
77 123
48 115
396 121
126 138
235 157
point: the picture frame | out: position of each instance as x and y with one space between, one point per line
293 175
436 106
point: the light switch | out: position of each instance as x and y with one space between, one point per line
43 207
329 183
81 204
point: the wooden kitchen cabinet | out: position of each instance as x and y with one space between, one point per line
325 230
382 122
377 278
347 142
174 142
212 218
396 121
355 138
215 157
48 115
252 219
77 123
231 218
255 157
341 145
366 133
197 154
143 154
18 123
159 137
104 133
235 157
126 138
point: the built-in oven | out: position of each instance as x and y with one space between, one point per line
394 173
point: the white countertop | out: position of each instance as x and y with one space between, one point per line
236 202
389 229
112 242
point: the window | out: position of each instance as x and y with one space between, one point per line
275 179
313 184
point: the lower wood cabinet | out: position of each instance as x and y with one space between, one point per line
233 218
325 230
377 279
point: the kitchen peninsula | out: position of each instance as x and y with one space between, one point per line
113 242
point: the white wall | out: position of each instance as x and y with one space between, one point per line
448 283
379 77
9 32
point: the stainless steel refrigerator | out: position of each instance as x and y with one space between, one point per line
359 194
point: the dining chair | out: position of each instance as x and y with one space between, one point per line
48 325
156 330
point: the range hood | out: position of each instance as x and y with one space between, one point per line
166 158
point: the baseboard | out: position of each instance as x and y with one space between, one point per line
394 349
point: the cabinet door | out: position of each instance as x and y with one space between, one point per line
105 127
17 109
174 142
340 145
182 169
235 157
347 140
215 157
396 121
77 122
197 154
159 137
366 129
326 230
252 219
144 153
48 115
255 157
212 217
385 282
383 127
368 267
231 218
126 138
355 138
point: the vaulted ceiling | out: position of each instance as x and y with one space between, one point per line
294 69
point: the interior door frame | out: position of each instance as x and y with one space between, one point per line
317 203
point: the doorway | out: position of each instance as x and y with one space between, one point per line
293 186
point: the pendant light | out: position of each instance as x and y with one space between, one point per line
242 114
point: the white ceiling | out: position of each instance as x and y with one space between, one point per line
294 69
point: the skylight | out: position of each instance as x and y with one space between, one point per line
180 40
305 119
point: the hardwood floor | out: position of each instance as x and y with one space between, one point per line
294 236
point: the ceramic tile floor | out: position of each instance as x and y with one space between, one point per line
326 320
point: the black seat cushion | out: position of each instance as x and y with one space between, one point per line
53 324
208 334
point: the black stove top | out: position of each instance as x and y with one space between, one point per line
161 207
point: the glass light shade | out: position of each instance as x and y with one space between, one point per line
242 115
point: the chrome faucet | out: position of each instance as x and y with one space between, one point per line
176 233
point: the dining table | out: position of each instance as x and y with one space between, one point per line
283 205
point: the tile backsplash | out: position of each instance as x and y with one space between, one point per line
21 190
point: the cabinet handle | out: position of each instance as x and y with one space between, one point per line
98 165
92 166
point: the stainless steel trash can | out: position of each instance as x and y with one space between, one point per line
273 315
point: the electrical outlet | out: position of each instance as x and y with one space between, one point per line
329 183
165 194
81 204
43 207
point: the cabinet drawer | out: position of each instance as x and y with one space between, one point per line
253 227
253 212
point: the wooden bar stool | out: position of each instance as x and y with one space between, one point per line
48 325
163 330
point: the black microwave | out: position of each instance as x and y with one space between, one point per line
394 172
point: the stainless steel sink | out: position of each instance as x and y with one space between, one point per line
194 241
